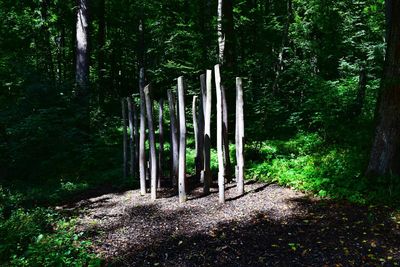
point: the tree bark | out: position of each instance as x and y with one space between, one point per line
240 137
125 138
385 153
160 141
221 169
207 133
142 155
182 141
152 143
174 139
82 52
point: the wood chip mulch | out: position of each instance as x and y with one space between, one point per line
268 226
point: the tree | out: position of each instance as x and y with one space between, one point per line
82 52
385 153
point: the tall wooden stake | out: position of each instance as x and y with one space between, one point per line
200 129
131 137
160 141
221 169
152 142
136 139
182 141
207 130
225 139
174 139
240 136
196 136
125 138
142 155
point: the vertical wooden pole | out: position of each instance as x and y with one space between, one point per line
196 135
152 143
136 139
221 169
182 141
160 141
131 137
125 138
142 154
207 132
225 139
174 139
240 136
200 129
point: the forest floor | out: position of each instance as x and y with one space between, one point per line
269 225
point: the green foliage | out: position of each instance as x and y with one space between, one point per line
41 237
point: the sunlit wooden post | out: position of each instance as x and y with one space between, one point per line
182 141
152 143
240 136
207 130
221 170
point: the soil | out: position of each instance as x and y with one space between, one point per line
268 226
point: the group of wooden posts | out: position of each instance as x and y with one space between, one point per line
202 130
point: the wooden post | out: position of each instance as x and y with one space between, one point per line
200 129
142 154
131 137
174 139
136 139
225 139
182 141
125 138
207 131
221 170
240 136
152 143
196 136
160 141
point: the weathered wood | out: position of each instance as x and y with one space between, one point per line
131 137
174 139
200 129
225 139
221 169
182 141
160 141
196 137
236 134
152 143
125 138
240 136
142 153
207 133
136 139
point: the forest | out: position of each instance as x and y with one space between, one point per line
252 133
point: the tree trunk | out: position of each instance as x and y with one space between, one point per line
225 33
142 154
182 141
152 143
221 169
82 52
240 137
174 139
207 133
101 60
160 141
385 153
125 138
